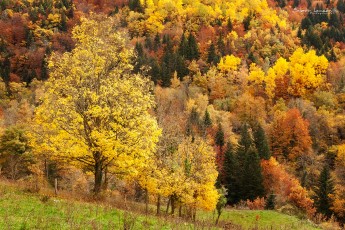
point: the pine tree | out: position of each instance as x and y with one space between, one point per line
193 49
156 42
341 6
231 177
135 5
246 140
261 143
246 22
296 3
221 45
323 192
212 57
183 47
148 42
252 179
270 202
207 119
155 71
219 138
63 23
229 25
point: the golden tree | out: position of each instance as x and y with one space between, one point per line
95 111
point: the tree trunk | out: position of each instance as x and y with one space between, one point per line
105 183
158 205
98 175
168 205
146 201
194 214
180 211
219 213
173 204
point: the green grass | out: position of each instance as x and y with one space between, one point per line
20 210
266 220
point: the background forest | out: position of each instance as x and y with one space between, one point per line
193 105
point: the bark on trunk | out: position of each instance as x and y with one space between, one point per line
173 204
168 205
158 205
98 175
105 183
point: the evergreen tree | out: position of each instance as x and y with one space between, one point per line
183 48
193 49
212 57
341 6
334 20
155 71
135 5
270 202
156 42
296 3
141 57
148 42
180 66
207 119
332 56
323 192
252 179
251 57
261 143
229 25
246 140
63 23
221 45
246 22
167 62
231 176
219 138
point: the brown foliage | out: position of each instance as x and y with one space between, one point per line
285 186
289 135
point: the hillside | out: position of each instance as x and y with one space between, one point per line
189 109
22 210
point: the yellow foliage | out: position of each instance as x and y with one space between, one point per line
94 110
189 174
305 72
229 63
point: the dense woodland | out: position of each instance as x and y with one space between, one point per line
187 104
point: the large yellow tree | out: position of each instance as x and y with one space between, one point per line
95 111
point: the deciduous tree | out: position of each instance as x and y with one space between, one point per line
94 111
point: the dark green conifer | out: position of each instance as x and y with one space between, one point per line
231 175
183 47
219 138
324 192
270 202
229 25
193 49
207 119
156 42
212 57
261 143
252 180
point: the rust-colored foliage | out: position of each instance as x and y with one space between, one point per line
285 186
289 135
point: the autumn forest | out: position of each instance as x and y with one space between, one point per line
184 107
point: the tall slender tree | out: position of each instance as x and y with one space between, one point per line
261 143
324 192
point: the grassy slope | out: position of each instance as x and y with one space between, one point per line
19 210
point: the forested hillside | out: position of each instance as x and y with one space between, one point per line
187 105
